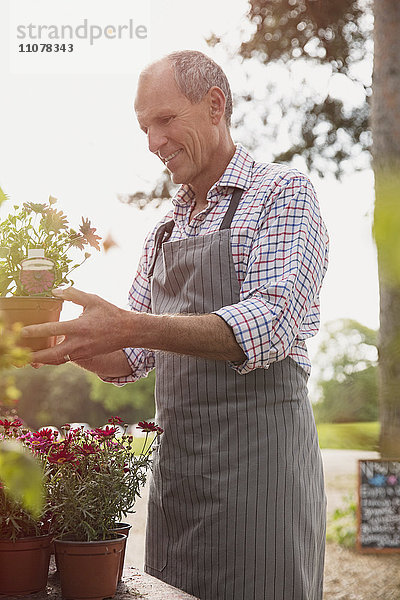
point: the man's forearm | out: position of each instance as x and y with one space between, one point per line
205 336
96 339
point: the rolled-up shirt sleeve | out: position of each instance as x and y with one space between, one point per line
285 269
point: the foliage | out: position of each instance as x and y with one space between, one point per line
132 401
11 355
56 395
20 476
94 479
163 190
353 399
349 436
347 380
20 472
335 37
3 197
43 393
22 507
40 226
347 346
342 524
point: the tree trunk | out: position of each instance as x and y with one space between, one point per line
386 160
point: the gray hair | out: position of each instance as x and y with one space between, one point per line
196 73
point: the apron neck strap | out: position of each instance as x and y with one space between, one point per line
227 220
162 235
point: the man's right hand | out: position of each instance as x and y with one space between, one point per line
94 340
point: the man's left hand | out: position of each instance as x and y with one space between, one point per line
100 329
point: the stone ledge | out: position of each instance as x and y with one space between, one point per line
134 585
146 586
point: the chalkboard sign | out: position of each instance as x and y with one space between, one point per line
378 506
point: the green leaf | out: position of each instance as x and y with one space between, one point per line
3 197
21 473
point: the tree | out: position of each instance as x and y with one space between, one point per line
352 400
347 358
56 395
386 160
334 37
132 402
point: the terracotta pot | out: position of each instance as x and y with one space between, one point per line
31 311
125 529
89 570
24 565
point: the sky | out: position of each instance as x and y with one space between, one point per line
68 129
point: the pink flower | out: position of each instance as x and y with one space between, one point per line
6 424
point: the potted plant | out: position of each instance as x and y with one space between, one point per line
24 528
36 255
95 478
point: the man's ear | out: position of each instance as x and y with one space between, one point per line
217 104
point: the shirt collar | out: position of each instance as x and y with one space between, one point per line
238 173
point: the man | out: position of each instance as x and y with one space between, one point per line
225 296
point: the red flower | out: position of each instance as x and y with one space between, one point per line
106 432
115 421
87 449
148 426
62 456
45 433
17 423
6 424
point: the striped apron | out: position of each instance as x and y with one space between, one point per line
237 504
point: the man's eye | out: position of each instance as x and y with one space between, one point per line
166 120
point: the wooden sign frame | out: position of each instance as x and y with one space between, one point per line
360 547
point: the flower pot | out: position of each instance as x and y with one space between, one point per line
30 310
24 565
123 528
89 570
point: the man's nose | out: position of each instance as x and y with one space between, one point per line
155 139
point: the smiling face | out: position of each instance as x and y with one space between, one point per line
185 136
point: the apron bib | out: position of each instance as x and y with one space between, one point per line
237 504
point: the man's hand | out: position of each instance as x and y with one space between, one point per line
99 330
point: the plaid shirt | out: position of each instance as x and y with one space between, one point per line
280 252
